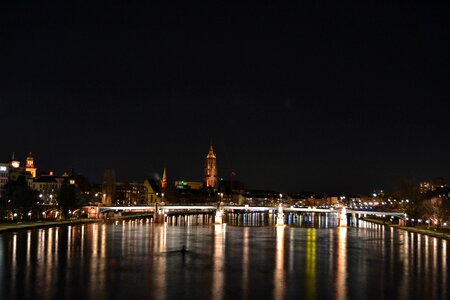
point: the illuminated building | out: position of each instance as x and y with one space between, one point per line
14 163
48 187
30 165
4 176
128 194
153 190
211 178
188 185
15 170
432 185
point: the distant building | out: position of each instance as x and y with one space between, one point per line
261 197
188 185
15 170
231 187
211 175
432 185
153 190
128 194
48 186
4 176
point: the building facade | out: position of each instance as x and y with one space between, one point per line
4 176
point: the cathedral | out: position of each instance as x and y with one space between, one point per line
211 175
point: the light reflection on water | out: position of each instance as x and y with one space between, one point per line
341 274
139 259
279 280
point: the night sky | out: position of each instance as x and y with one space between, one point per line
317 95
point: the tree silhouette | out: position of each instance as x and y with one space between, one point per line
17 195
67 197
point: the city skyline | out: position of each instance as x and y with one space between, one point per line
206 178
293 96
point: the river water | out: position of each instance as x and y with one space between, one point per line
142 260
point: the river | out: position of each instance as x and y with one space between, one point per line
137 259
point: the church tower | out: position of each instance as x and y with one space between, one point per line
30 165
211 178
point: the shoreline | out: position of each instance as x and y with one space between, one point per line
27 225
430 232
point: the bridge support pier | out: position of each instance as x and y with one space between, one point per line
159 215
218 218
343 218
280 216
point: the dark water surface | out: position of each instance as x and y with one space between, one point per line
141 260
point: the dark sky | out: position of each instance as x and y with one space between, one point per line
317 95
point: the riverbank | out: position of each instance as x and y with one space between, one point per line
434 232
27 225
8 227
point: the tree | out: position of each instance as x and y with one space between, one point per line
17 195
408 193
437 210
67 197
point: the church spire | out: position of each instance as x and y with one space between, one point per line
164 180
211 153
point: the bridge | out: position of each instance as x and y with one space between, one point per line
219 211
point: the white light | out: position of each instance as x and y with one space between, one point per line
15 214
2 168
29 214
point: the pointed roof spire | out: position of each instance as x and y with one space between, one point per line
164 179
211 153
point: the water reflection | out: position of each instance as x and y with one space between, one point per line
341 274
245 263
137 260
218 262
311 264
444 262
159 281
315 220
279 278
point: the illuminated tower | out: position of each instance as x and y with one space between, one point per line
211 178
30 165
14 163
164 180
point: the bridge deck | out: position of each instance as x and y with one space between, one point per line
167 208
